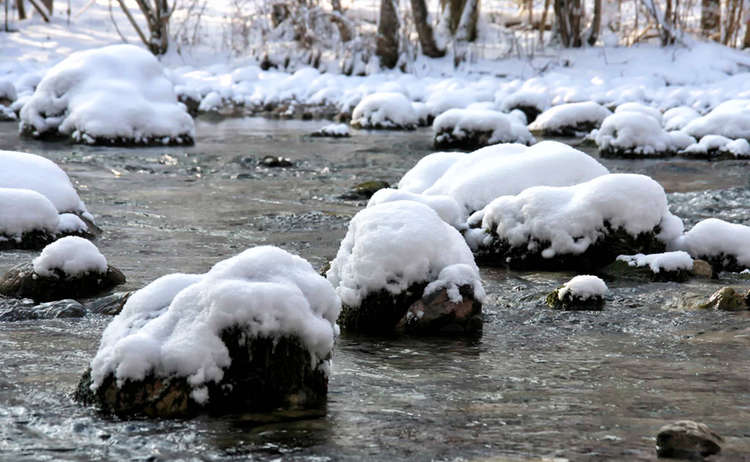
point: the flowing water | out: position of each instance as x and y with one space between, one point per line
537 385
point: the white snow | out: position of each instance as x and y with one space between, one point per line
571 218
570 115
120 91
29 171
713 237
384 110
475 179
678 117
392 245
335 130
24 210
173 325
583 287
532 95
637 132
8 90
72 255
730 118
667 261
445 206
721 144
458 124
640 108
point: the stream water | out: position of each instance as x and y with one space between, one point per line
537 385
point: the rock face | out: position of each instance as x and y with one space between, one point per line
686 439
22 282
265 374
12 309
727 299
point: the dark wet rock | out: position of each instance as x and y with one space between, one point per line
327 132
571 302
723 262
301 111
191 104
265 375
469 141
531 112
38 239
275 162
726 299
117 141
364 190
703 269
632 153
686 439
437 314
622 270
569 131
12 309
109 305
385 313
343 117
613 242
22 282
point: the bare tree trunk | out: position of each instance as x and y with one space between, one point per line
386 42
48 4
568 14
596 23
543 22
462 17
746 38
424 30
21 9
710 18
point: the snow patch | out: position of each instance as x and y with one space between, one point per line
384 110
717 238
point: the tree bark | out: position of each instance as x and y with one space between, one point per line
746 38
710 18
21 9
386 42
596 23
48 4
461 17
424 30
568 14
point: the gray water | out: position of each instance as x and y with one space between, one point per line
537 385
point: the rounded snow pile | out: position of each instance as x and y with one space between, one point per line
401 266
475 128
631 133
667 266
385 110
730 119
580 293
718 147
255 333
583 226
116 95
725 245
475 179
71 267
573 119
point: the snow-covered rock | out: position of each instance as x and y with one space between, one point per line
582 226
255 333
678 117
718 147
640 108
730 119
530 101
445 206
333 131
385 110
113 95
632 133
667 266
475 179
396 260
474 128
725 245
8 92
71 267
584 292
572 119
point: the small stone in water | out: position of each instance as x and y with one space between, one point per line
275 161
726 299
702 268
364 190
686 439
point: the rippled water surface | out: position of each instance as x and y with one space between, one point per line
537 384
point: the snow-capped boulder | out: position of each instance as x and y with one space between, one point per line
678 117
474 128
667 266
572 119
718 147
333 131
445 206
253 334
530 101
640 108
387 110
584 226
475 179
400 267
637 134
71 267
115 95
584 292
730 119
725 245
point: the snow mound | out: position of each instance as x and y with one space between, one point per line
711 146
72 255
334 131
639 108
657 262
632 133
7 91
447 208
730 119
475 179
385 110
23 211
725 245
113 95
531 100
173 325
28 171
474 128
678 117
569 219
583 287
570 119
393 245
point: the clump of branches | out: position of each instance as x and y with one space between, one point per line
157 16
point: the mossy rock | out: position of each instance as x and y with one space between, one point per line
723 262
633 153
727 299
266 375
22 282
570 302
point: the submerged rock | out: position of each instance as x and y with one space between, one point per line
364 190
727 299
12 309
686 439
21 281
275 162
